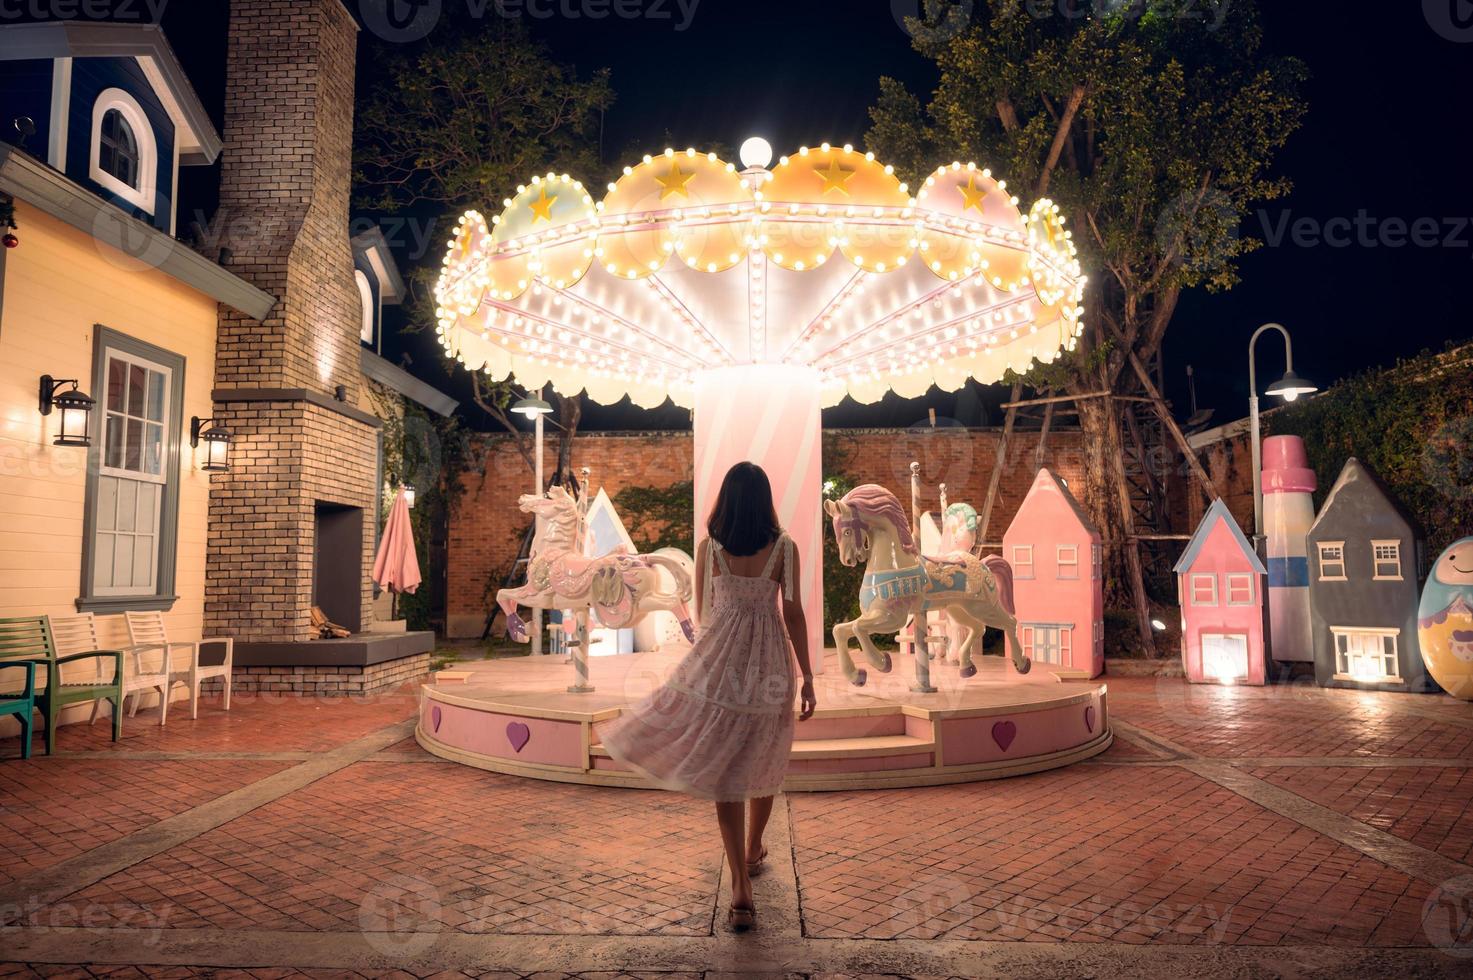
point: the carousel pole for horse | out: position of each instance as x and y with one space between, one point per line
580 656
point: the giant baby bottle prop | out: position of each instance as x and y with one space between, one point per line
1288 513
1445 620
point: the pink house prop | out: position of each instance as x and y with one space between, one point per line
1055 554
1220 581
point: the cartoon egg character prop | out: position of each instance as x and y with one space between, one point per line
1445 620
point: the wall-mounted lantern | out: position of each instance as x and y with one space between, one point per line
409 494
217 444
75 407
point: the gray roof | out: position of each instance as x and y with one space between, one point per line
1045 473
406 384
1218 511
1357 481
28 179
199 142
372 244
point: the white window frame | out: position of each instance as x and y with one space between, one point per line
1341 637
1377 561
1237 581
159 480
1237 675
1023 559
1193 578
368 325
1094 562
1324 563
144 194
1066 557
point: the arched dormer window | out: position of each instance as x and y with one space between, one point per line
124 151
368 308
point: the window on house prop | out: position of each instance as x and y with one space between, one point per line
133 478
1366 655
1068 559
1094 560
1387 558
1204 589
1022 561
1332 561
1239 589
124 157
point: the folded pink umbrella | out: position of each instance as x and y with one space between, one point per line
396 568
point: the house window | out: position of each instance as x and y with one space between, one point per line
1068 559
1366 655
368 308
125 155
1387 558
1332 561
1022 561
1094 561
118 153
1204 589
1239 589
133 477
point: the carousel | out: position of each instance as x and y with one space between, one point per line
757 296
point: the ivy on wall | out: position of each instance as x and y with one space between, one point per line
1412 424
659 517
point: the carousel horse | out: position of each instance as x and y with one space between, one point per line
871 526
620 588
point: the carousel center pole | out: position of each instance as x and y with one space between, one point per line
768 414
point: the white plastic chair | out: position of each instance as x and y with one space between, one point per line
78 634
146 631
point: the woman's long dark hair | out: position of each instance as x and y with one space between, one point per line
744 520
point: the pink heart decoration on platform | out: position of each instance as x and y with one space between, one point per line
1089 718
1003 734
518 735
435 717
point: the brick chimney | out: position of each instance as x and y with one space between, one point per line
292 523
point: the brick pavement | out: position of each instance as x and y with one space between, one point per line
1225 832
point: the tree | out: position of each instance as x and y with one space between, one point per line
458 124
1154 124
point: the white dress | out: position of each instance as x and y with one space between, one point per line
721 728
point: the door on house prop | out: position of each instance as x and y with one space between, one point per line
1049 643
1224 656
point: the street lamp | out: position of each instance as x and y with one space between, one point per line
534 408
1289 388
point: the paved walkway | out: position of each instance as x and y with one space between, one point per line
1228 832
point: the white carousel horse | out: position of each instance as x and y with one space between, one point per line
620 588
871 526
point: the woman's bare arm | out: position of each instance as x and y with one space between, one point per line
797 624
699 599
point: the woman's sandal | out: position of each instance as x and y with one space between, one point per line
754 868
741 920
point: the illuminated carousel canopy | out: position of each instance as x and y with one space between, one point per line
826 261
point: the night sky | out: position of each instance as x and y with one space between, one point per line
1386 137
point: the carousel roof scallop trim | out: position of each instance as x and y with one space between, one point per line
588 295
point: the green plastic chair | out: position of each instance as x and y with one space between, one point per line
29 643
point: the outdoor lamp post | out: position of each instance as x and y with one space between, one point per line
534 408
1289 387
75 407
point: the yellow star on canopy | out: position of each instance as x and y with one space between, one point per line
542 207
972 195
674 182
835 177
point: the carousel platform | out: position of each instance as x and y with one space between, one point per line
516 716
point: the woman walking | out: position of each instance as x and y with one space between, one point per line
721 728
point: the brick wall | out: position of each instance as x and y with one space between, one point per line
284 200
487 529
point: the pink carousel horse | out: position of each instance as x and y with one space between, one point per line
620 588
871 526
